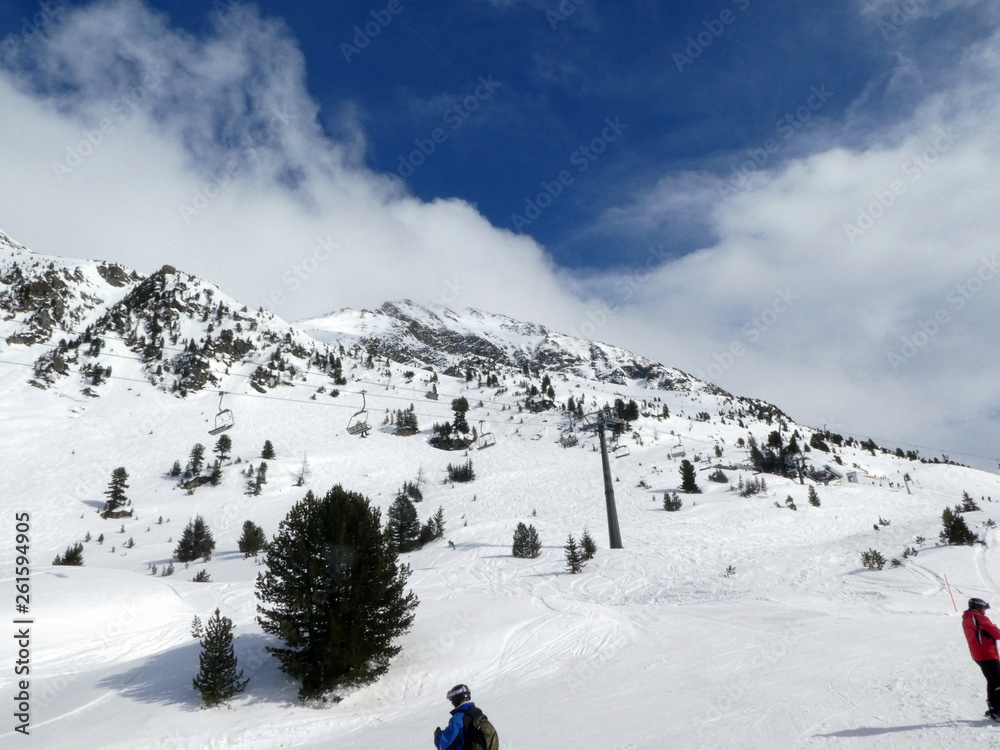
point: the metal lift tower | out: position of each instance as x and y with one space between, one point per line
598 422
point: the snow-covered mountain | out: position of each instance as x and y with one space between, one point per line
735 622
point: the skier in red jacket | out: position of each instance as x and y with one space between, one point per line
982 636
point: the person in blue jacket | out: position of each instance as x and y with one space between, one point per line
452 737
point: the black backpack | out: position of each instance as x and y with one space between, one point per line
479 733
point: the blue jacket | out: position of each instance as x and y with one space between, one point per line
453 736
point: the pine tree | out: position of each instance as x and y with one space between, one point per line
196 460
253 539
215 477
175 470
688 483
117 504
304 473
439 523
261 475
522 543
267 451
334 593
955 530
197 629
402 525
460 406
968 504
462 472
813 496
196 541
223 447
574 558
218 679
588 547
672 501
72 556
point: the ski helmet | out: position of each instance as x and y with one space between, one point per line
459 695
978 604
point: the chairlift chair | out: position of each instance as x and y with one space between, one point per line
358 425
486 439
224 419
678 450
568 440
621 451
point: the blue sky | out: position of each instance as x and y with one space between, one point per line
794 200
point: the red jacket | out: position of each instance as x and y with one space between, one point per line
981 634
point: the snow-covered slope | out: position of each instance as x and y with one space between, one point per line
735 622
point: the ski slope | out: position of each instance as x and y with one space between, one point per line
651 646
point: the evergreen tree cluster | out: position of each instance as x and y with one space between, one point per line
196 541
954 529
575 560
672 501
256 479
72 556
405 422
462 472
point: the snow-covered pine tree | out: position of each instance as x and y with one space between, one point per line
267 451
218 679
588 547
117 504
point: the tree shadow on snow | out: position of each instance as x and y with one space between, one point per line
875 731
166 678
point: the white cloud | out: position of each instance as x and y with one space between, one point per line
155 147
857 287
